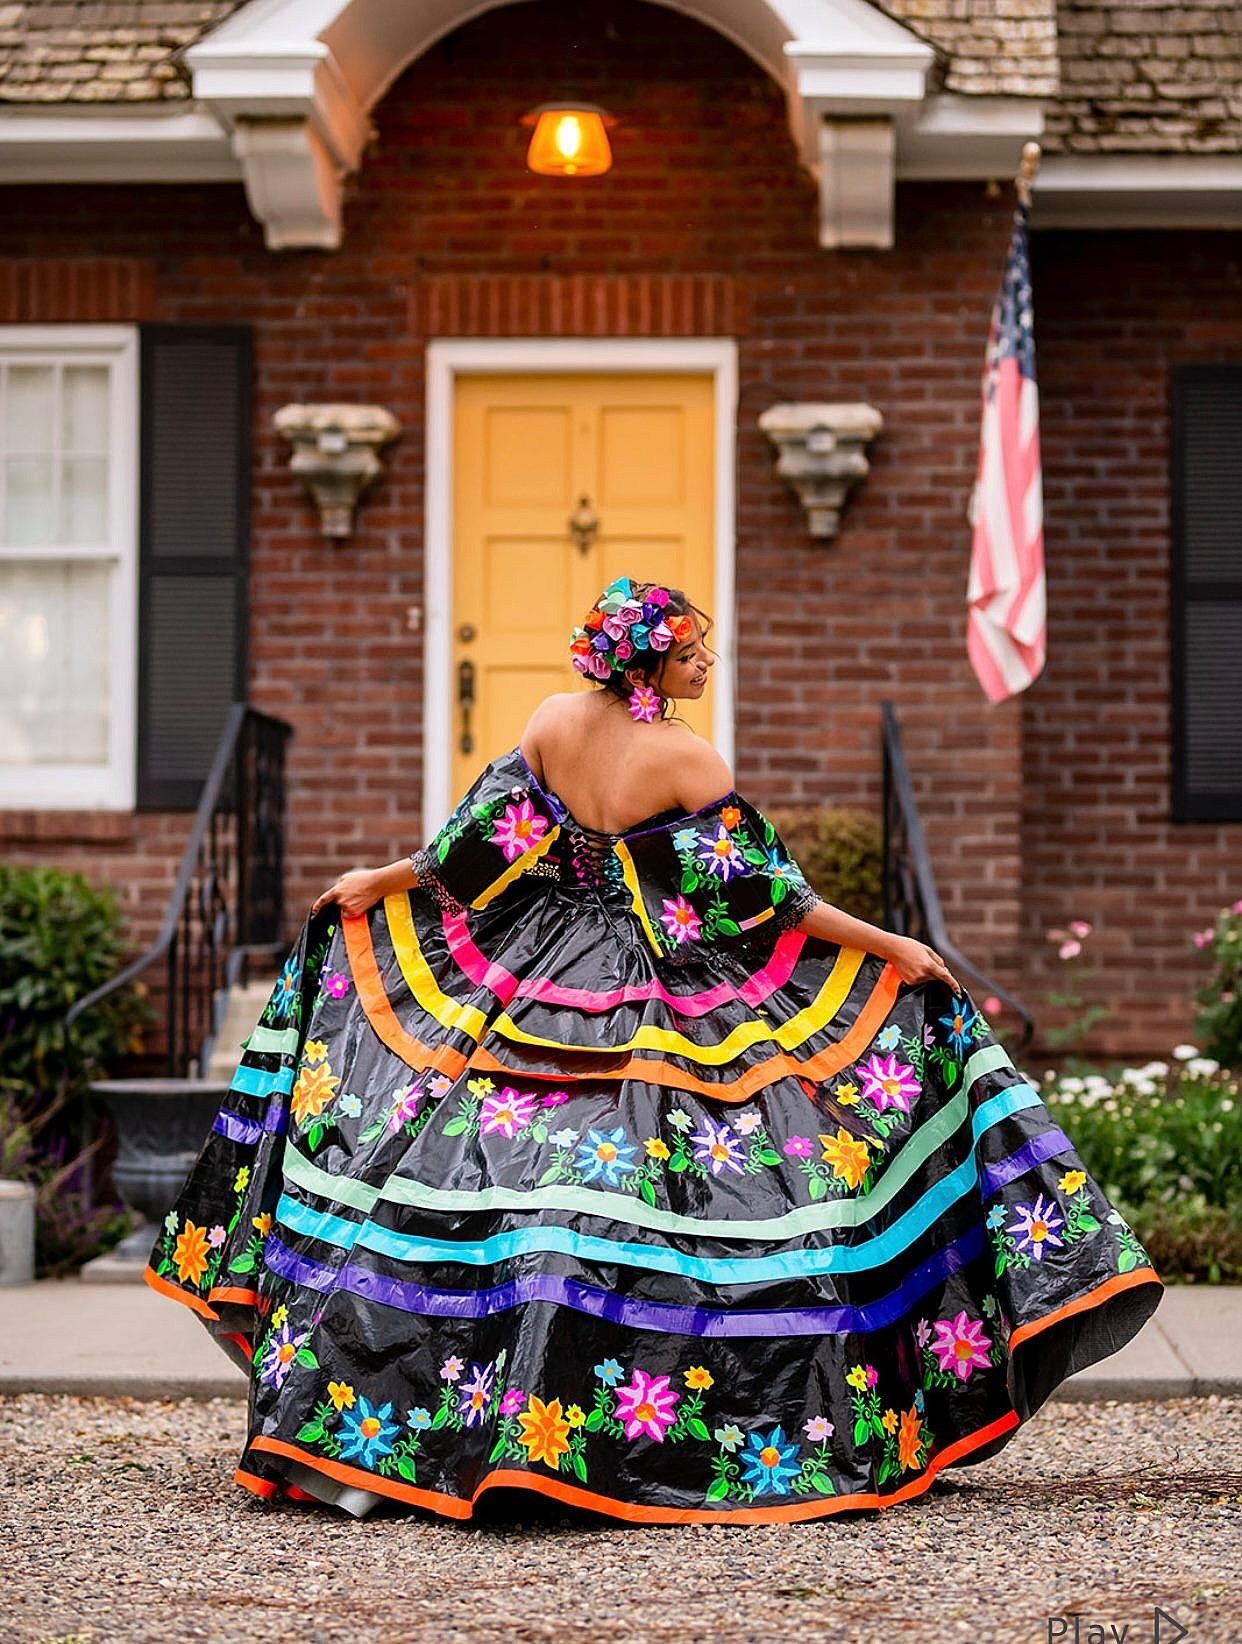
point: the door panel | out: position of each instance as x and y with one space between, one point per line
527 449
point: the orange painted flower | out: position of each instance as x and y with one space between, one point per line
730 816
697 1376
909 1439
848 1157
545 1431
263 1223
190 1254
315 1088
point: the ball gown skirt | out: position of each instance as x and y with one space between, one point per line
579 1169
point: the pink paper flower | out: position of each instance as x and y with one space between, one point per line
961 1345
519 829
505 1112
889 1083
646 1405
644 704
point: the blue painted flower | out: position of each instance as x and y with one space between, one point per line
419 1419
890 1038
719 855
350 1106
607 1154
610 1372
780 867
959 1025
685 839
918 1400
366 1433
996 1216
286 989
769 1462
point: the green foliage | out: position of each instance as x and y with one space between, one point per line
1218 1026
841 852
69 1227
1165 1143
59 938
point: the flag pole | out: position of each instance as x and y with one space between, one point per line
1031 156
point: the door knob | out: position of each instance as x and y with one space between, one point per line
584 524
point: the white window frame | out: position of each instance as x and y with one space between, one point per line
109 786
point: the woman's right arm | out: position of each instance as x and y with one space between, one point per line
355 891
912 960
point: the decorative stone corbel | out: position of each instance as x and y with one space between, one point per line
336 453
822 455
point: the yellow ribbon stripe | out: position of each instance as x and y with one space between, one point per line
514 869
417 972
630 875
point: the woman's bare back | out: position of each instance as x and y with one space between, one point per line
613 773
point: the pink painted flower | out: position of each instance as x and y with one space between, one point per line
554 1098
437 1084
644 704
871 1374
799 1147
404 1107
512 1402
748 1121
922 1332
452 1368
519 829
680 920
889 1083
505 1112
818 1429
216 1236
646 1405
336 984
961 1345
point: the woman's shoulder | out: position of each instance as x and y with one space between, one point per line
702 774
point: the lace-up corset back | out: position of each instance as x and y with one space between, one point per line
590 858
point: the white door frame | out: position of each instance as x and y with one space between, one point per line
447 359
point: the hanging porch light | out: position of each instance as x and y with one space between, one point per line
569 140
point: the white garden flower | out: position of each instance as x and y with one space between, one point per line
1072 1084
1185 1052
1203 1067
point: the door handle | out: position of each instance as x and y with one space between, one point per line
465 701
583 525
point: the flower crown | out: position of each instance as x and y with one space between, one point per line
622 623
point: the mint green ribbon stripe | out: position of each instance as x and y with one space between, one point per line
814 1218
284 1040
882 1247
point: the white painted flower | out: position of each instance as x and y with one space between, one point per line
563 1138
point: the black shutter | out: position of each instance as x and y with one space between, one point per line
1206 592
193 552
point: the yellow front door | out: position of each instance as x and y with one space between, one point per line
561 484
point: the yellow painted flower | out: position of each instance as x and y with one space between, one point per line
575 1415
846 1094
909 1439
341 1394
279 1316
480 1087
696 1376
857 1378
314 1050
1072 1181
315 1088
889 1421
656 1149
190 1254
848 1157
263 1222
241 1179
545 1432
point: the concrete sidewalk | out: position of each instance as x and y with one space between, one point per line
64 1336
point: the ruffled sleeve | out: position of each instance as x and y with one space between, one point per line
720 875
502 828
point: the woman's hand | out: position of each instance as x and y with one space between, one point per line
353 892
915 962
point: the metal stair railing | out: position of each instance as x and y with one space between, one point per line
911 900
227 903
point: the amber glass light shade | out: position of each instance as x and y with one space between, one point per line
569 140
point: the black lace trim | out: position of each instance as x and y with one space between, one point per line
426 865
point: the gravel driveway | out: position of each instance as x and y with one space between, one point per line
124 1524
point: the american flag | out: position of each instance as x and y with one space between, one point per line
1005 623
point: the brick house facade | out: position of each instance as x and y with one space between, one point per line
1053 805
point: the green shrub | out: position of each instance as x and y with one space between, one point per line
841 851
1218 1025
70 1227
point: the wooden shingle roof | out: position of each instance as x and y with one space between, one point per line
84 51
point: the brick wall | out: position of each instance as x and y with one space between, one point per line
707 189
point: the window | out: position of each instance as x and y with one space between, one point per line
68 566
1206 592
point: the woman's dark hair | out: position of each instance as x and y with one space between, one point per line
649 662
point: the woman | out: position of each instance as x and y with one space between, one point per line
587 1151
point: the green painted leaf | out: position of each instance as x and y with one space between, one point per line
1126 1261
862 1430
310 1434
780 889
1000 1263
594 1421
372 1131
498 1449
580 1466
440 1417
455 1126
822 1483
243 1263
718 1489
549 1175
689 881
678 1162
766 1156
728 927
305 1357
314 1136
697 1427
406 1468
818 1187
648 1192
1088 1224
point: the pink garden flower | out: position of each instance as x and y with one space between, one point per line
889 1083
961 1345
1079 928
681 921
1069 950
646 1405
505 1113
519 829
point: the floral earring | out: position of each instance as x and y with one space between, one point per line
644 704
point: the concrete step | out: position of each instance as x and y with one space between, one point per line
245 1006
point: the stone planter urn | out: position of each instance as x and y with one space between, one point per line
161 1125
17 1232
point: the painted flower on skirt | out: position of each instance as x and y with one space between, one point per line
888 1421
889 1083
959 1024
717 1146
545 1432
341 1394
681 921
730 816
646 1405
697 1377
505 1113
350 1106
314 1050
217 1236
315 1088
190 1253
512 1401
404 1107
922 1332
240 1182
285 991
610 1372
909 1439
518 830
890 1038
452 1368
847 1094
961 1345
720 856
1072 1181
336 984
366 1432
575 1415
554 1098
848 1157
748 1121
1036 1225
565 1137
475 1394
606 1153
770 1463
680 1120
685 839
656 1149
818 1429
799 1147
778 867
419 1419
729 1438
278 1357
996 1216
